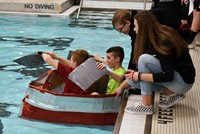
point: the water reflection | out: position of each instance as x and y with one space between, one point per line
60 43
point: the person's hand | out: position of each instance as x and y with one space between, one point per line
129 74
40 53
45 56
97 57
52 54
184 22
100 65
118 91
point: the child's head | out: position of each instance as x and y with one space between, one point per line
78 57
115 55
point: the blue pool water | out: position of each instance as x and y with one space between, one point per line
22 35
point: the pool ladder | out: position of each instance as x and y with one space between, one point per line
81 4
79 9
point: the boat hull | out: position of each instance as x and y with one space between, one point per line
50 104
31 112
69 109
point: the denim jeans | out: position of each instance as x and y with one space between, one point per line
149 64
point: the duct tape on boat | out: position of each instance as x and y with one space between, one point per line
86 74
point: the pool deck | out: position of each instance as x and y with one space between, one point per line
117 4
183 118
66 14
65 8
37 6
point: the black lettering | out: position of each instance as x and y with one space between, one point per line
28 6
41 6
51 7
36 6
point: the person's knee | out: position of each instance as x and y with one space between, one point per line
144 58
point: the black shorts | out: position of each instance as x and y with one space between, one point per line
197 5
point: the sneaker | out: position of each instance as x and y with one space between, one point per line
171 100
191 45
139 108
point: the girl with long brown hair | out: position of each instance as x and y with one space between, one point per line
163 61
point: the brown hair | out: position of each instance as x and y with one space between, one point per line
121 16
117 52
79 56
152 35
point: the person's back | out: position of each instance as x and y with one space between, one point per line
181 8
172 5
64 67
167 17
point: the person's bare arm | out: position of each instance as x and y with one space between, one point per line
47 58
120 89
133 75
116 77
59 58
99 58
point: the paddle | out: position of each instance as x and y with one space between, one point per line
34 60
31 60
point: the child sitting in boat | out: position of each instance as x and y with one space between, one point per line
64 67
114 58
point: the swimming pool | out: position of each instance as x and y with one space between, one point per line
22 35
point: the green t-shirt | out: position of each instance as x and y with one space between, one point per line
112 84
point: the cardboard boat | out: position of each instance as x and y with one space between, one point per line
44 101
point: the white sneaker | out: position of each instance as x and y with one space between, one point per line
140 108
192 45
171 100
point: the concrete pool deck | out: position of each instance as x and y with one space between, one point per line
65 8
60 8
37 6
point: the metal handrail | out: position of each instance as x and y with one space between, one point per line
145 4
79 9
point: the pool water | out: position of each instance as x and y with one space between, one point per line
23 35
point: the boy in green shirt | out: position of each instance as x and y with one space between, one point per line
114 58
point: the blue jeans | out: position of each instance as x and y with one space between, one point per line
149 64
